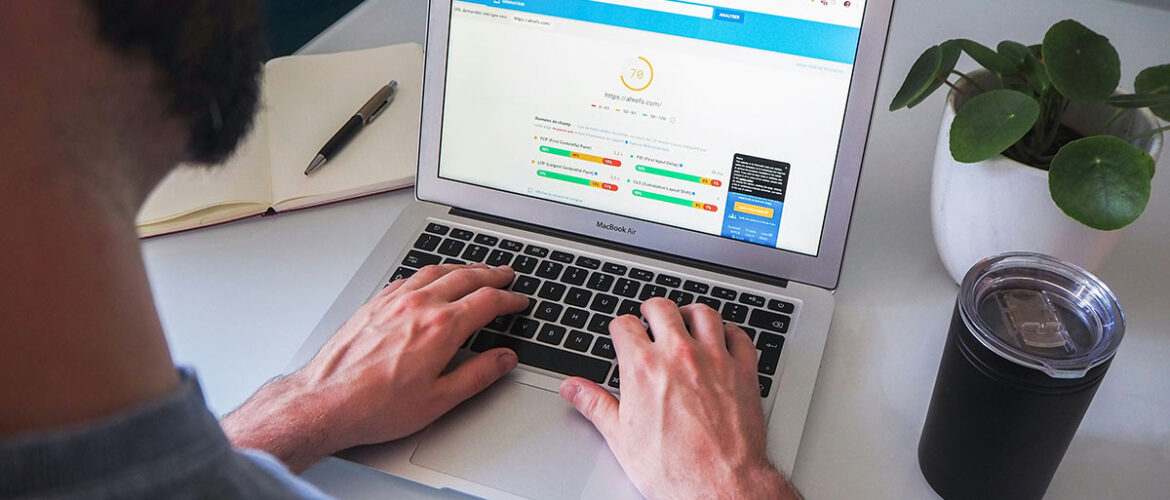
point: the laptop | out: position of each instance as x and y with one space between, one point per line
612 151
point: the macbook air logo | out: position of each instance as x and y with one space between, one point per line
616 228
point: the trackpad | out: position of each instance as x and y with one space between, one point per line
516 438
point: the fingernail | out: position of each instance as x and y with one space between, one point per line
479 265
570 390
507 361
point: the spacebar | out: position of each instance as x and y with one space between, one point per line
547 358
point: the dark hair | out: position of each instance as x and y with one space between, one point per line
208 55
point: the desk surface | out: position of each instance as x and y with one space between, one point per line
238 300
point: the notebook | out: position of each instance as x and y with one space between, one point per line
613 152
305 99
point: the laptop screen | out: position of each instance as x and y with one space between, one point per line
721 117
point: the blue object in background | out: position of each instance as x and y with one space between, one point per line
292 23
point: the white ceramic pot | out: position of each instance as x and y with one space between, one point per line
983 209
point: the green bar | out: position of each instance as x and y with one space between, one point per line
662 197
555 151
669 173
563 177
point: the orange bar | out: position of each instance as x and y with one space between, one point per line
754 209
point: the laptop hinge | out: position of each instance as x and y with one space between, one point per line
675 259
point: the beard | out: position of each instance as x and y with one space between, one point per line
208 55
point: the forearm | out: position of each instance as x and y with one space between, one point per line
764 482
283 421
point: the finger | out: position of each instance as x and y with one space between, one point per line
628 335
475 375
457 284
479 307
594 403
391 288
704 323
427 275
664 320
739 343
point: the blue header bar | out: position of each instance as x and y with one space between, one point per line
755 30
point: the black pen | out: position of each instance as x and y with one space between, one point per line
364 116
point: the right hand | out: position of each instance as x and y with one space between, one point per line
690 423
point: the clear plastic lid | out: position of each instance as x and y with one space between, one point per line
1041 313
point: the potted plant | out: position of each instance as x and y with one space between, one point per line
1038 150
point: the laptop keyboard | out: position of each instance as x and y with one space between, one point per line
572 297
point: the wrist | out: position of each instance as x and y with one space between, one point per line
764 481
285 420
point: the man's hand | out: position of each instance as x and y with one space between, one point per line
381 377
689 424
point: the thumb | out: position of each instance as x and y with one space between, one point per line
476 374
595 403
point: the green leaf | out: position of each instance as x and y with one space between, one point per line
1155 80
990 123
1083 65
1139 100
1101 181
1037 73
1014 52
926 75
987 58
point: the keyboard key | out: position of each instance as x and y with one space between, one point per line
438 229
428 242
600 282
575 276
630 307
524 327
681 298
575 318
560 256
418 260
599 324
750 331
578 341
627 288
650 291
714 303
549 269
615 380
770 342
451 247
769 320
751 299
781 306
551 334
669 281
487 239
475 253
526 285
735 313
525 264
641 274
511 246
457 262
765 386
604 348
499 258
528 310
695 286
604 303
588 262
769 360
536 251
616 269
578 297
552 291
724 293
402 273
501 323
462 234
547 358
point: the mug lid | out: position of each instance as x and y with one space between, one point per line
1041 313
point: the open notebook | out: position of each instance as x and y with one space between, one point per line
305 100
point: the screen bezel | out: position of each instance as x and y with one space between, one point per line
821 270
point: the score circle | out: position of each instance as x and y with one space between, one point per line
638 84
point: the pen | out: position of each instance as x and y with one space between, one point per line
364 116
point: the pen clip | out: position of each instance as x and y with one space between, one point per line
378 103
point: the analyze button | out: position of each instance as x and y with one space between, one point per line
754 210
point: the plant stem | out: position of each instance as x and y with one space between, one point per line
1116 114
969 80
1149 133
956 89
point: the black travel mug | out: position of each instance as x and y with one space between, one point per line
1029 342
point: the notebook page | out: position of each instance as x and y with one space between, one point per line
311 96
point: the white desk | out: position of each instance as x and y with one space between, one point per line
238 300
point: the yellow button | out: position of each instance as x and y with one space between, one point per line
754 210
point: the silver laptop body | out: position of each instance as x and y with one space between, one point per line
690 148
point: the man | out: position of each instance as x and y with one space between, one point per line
100 99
